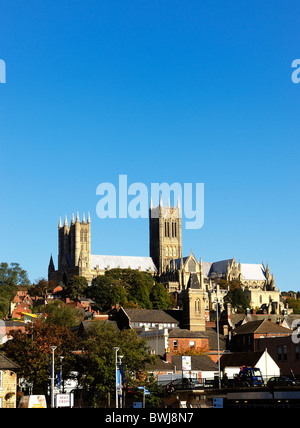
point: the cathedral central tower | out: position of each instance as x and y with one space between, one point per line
165 235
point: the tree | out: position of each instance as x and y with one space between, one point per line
60 314
101 292
159 297
13 275
10 278
40 287
76 287
31 351
237 299
97 360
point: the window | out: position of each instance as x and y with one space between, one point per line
192 344
175 344
279 353
192 266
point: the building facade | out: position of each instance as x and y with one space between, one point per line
165 261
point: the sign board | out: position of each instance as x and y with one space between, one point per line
64 400
137 405
218 403
186 362
33 402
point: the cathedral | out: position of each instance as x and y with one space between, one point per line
196 282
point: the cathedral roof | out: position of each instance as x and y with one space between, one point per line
193 282
253 271
123 262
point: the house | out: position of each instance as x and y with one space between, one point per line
285 350
8 382
7 326
183 340
246 337
139 318
20 303
171 367
232 362
21 307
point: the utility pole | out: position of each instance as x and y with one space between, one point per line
52 376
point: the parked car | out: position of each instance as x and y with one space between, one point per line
281 381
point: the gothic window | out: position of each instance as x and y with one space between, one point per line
167 253
192 266
197 305
174 252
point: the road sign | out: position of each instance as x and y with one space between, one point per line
218 403
186 362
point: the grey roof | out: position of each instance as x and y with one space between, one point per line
250 271
181 332
220 267
149 316
193 282
261 327
198 362
7 364
123 262
239 359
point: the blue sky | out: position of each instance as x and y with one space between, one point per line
173 91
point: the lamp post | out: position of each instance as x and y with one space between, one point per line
61 373
121 402
218 337
52 377
115 348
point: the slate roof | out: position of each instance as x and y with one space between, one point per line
250 271
149 316
123 262
182 333
193 282
261 327
198 363
239 359
7 364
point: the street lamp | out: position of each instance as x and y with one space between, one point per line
115 348
218 337
120 362
61 373
52 377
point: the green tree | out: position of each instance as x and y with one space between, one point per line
97 361
76 287
101 292
13 275
294 304
159 297
237 299
60 314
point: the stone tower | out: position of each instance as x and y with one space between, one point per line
74 250
193 302
165 235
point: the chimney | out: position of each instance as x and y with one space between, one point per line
168 357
